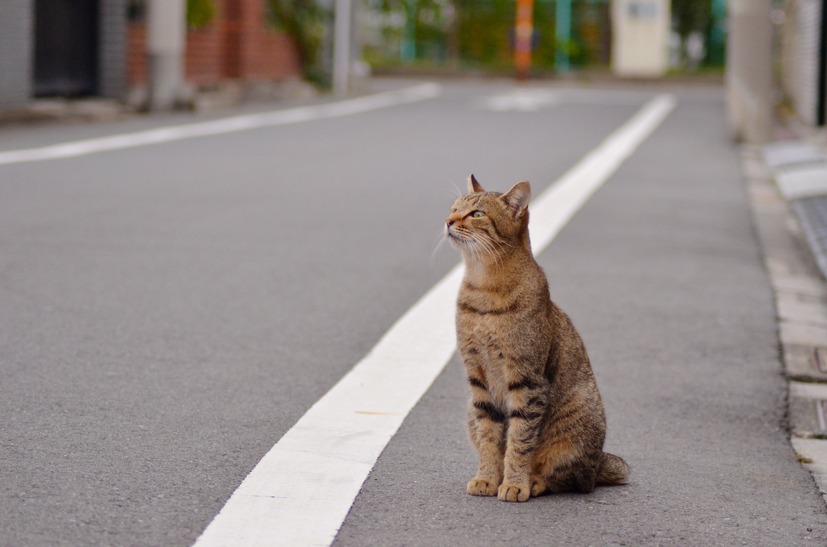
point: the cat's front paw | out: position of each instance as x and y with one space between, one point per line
481 487
512 492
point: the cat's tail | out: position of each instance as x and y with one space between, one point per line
613 470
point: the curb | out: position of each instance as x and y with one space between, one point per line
812 454
786 184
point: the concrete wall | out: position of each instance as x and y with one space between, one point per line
16 52
640 38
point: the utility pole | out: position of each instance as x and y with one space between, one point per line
166 32
342 47
749 70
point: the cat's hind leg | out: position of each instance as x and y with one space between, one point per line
539 486
564 468
574 476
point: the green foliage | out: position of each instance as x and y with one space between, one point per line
545 39
305 21
429 28
200 13
422 32
484 31
480 33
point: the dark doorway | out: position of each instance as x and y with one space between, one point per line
821 113
66 47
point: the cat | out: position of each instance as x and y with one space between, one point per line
535 415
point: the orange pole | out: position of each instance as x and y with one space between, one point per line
523 34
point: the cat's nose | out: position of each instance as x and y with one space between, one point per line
451 220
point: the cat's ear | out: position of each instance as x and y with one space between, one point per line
517 198
473 185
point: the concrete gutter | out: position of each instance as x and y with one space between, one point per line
787 187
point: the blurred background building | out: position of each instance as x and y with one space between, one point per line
61 48
75 48
567 34
229 40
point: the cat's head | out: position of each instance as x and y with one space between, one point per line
489 224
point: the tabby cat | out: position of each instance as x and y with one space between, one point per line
535 416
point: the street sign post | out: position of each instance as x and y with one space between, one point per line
523 37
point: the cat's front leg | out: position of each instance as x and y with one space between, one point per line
486 427
527 403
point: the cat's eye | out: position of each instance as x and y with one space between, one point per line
477 214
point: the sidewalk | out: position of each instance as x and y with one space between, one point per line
98 109
787 187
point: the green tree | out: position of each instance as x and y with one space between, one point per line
485 30
423 33
305 21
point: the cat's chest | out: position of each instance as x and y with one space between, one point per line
487 329
492 312
495 349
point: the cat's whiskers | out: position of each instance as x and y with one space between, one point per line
478 245
470 242
474 243
500 245
486 244
503 248
443 237
458 193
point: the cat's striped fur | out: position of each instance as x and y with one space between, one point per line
535 418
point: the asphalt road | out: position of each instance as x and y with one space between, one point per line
168 312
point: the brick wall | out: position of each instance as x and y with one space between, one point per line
136 65
237 45
262 53
203 58
16 51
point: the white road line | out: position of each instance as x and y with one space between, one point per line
533 99
222 126
301 491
